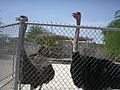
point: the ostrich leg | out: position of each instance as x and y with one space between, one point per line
40 87
109 88
31 88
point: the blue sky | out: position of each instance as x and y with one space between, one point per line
94 12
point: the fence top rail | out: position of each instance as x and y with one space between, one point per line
65 25
74 26
4 26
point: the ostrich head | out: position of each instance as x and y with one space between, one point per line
43 50
41 61
22 18
77 15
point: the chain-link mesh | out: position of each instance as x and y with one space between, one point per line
49 63
8 46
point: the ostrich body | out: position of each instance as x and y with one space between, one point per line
90 73
36 75
87 72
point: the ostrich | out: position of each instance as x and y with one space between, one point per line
36 69
113 73
90 73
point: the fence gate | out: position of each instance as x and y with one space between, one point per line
45 57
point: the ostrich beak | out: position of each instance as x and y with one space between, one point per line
76 15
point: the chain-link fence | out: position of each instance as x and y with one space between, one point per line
8 48
47 61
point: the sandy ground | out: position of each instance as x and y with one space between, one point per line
62 79
6 70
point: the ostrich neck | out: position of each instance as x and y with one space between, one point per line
78 21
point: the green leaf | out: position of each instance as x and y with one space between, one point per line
112 39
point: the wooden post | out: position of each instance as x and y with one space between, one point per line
77 16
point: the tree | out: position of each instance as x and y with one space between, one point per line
112 39
42 36
39 35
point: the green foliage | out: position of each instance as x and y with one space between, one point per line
112 39
42 36
33 32
114 24
39 35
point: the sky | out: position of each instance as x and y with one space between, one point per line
94 12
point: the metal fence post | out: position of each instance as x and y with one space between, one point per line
13 63
22 29
77 16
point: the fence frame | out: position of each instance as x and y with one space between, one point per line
22 29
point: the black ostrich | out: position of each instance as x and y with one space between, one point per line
36 69
113 74
90 73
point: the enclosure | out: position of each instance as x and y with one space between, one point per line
59 39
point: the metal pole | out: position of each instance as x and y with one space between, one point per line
13 67
22 29
77 16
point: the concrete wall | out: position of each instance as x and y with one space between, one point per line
9 46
